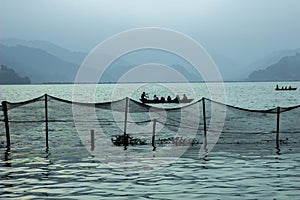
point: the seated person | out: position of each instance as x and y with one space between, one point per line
162 99
155 98
177 99
144 96
169 99
184 98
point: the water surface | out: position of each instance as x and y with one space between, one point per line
231 171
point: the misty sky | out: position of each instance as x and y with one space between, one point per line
241 30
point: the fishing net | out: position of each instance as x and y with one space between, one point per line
25 123
128 122
2 126
242 126
290 125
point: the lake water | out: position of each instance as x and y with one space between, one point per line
230 171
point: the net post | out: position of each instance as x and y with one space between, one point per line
125 124
92 139
204 122
153 134
46 120
4 108
277 127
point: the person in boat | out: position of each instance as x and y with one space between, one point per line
177 99
169 99
277 88
184 98
155 98
290 87
144 96
162 99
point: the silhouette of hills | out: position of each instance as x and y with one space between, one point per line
268 60
75 57
44 62
37 64
9 76
286 69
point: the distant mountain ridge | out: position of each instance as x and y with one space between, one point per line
286 69
44 62
75 57
9 76
269 60
37 64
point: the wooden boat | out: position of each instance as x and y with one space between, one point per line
285 88
172 101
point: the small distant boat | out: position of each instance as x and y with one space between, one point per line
172 101
285 88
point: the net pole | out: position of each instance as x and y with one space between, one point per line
277 127
153 134
92 139
4 108
125 124
204 122
46 120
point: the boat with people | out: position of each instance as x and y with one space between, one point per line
285 88
160 101
156 100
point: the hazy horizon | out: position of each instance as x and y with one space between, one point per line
238 32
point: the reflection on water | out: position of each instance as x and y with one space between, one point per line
230 171
241 170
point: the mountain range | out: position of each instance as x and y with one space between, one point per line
37 64
45 62
53 49
286 69
9 76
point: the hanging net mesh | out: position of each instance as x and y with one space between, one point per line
242 126
70 123
25 123
290 125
